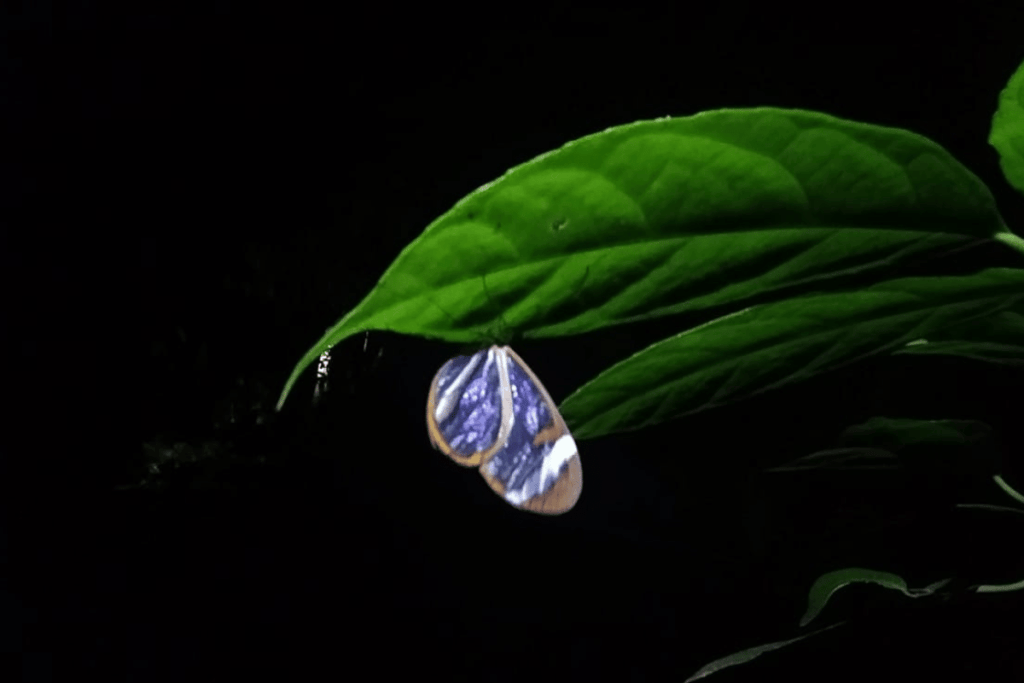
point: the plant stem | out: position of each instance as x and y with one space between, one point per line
1004 588
1011 240
1009 490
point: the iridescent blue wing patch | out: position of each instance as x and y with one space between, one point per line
490 411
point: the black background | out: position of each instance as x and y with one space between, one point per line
193 198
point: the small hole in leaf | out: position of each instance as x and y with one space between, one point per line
559 224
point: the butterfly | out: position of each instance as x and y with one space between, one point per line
489 410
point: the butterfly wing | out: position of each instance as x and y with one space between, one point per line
538 467
469 413
490 410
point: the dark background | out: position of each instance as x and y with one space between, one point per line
191 199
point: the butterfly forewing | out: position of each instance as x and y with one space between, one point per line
466 418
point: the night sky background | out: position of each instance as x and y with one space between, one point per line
190 200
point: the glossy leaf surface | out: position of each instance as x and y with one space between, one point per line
725 208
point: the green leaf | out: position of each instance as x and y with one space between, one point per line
898 434
828 584
751 653
842 459
881 443
725 208
1007 134
776 344
998 338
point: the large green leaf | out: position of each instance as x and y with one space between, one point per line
1007 134
775 344
727 207
998 338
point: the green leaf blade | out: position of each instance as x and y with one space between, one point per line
779 343
1007 134
998 338
962 448
752 653
828 584
658 217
